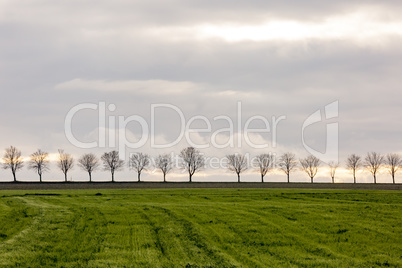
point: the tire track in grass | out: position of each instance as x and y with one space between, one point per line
196 239
25 245
167 256
146 243
51 237
62 235
41 206
155 232
103 233
288 238
130 238
171 236
332 227
309 246
238 258
249 252
262 250
86 239
15 217
299 242
138 247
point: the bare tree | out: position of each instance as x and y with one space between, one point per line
39 162
88 163
165 164
192 161
12 160
287 162
112 162
332 169
237 163
66 162
310 165
373 163
264 163
394 163
139 162
353 163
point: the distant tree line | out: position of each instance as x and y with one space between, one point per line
193 161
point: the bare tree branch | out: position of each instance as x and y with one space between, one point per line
287 163
353 163
373 163
139 162
237 163
192 161
12 160
394 163
88 163
310 165
112 162
332 169
165 164
66 162
265 163
39 162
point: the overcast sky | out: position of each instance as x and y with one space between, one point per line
204 57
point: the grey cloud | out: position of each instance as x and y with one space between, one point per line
48 44
159 12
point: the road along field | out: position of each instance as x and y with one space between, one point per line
200 228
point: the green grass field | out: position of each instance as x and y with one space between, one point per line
200 228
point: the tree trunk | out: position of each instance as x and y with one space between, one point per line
112 176
139 176
262 178
393 178
354 178
375 179
40 177
65 177
190 177
288 178
238 177
14 176
90 176
333 180
164 177
312 179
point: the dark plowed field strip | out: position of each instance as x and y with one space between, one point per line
195 185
